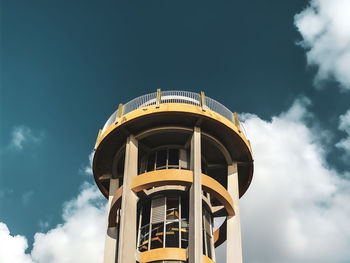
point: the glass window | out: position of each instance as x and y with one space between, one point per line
144 236
151 160
184 233
208 245
159 222
204 247
161 159
172 212
157 235
172 234
173 160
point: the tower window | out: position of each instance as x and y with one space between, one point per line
164 222
168 158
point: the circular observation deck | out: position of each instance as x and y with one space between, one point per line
158 117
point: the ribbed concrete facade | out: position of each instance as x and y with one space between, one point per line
169 163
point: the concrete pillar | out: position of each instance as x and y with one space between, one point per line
127 234
111 244
234 243
195 246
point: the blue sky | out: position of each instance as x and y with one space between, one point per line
284 65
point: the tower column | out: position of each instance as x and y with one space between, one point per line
127 235
234 243
110 251
195 246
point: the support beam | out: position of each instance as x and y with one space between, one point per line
233 234
111 241
195 247
127 248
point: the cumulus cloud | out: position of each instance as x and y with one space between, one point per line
297 208
80 238
325 29
22 135
344 125
12 247
87 169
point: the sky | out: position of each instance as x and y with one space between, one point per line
284 66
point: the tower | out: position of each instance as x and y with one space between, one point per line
169 163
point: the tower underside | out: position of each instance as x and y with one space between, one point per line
168 168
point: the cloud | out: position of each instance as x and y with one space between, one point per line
344 125
87 169
325 28
80 238
22 135
12 247
297 208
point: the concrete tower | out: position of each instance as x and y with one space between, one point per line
169 163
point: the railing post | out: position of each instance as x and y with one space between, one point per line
119 112
159 96
236 121
202 100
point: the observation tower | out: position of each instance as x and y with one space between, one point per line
169 162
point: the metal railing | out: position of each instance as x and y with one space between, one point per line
171 96
218 108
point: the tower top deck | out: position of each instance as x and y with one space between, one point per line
166 112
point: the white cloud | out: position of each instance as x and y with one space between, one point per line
87 169
12 247
344 125
22 135
79 239
325 28
297 208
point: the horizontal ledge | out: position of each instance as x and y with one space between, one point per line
172 177
167 253
184 178
163 254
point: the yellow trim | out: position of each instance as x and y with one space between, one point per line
202 100
207 259
184 178
163 254
159 97
174 107
238 125
168 253
98 139
216 190
120 110
161 178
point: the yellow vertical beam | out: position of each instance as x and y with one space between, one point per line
159 97
202 100
120 111
236 121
